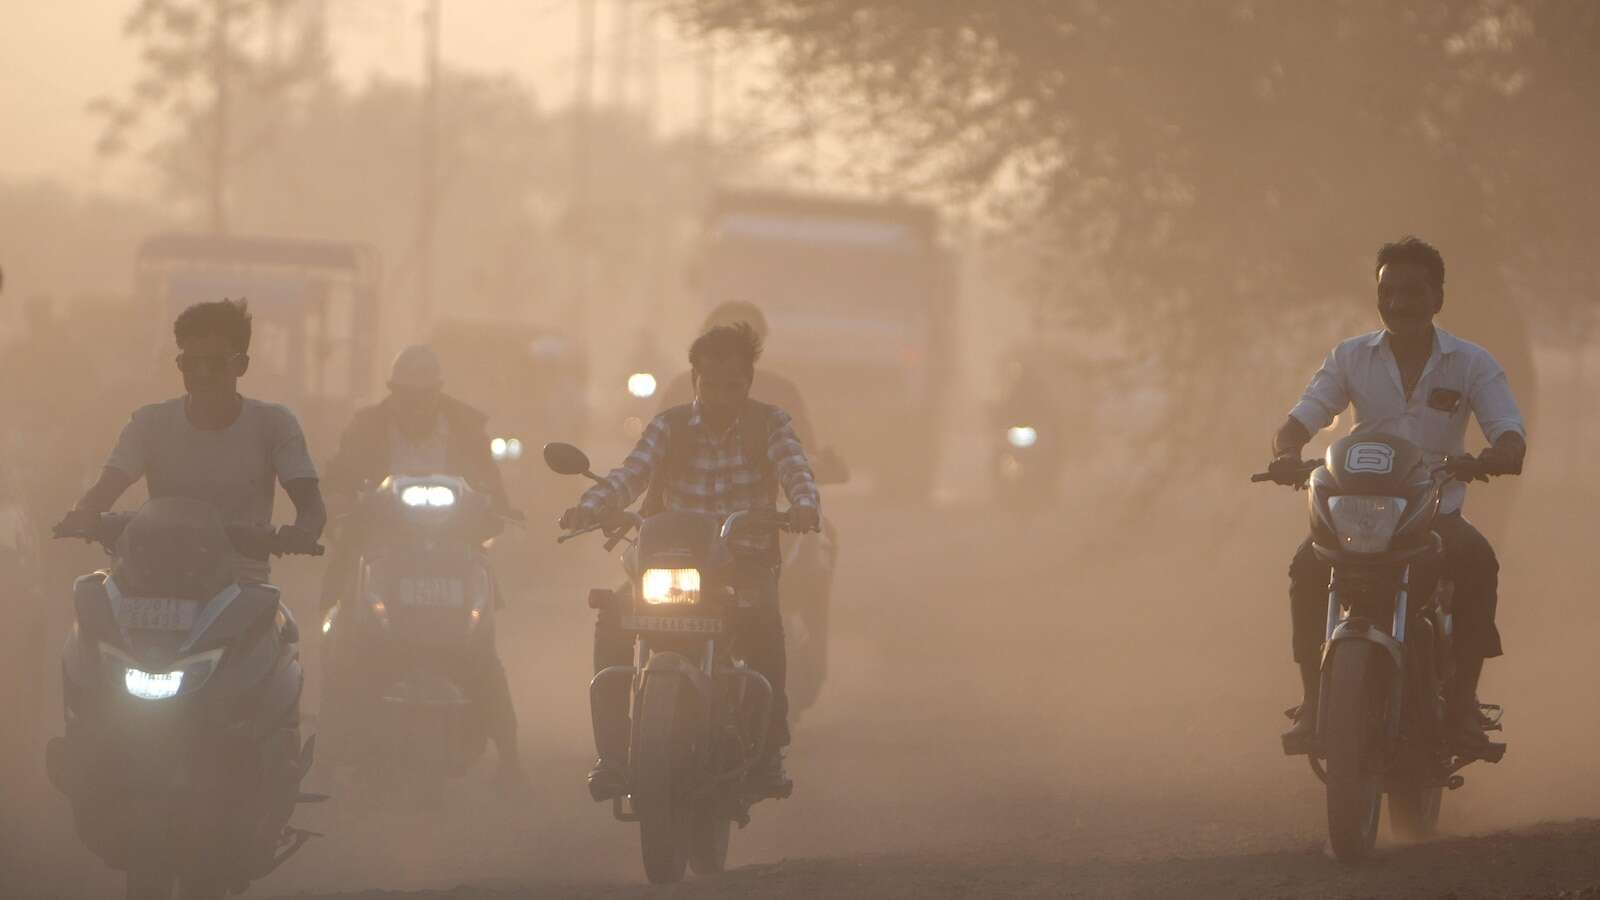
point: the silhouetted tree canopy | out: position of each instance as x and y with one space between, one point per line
1215 176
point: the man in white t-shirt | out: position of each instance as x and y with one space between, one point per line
1421 383
214 445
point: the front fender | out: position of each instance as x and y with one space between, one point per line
1359 629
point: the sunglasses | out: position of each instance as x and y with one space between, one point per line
201 363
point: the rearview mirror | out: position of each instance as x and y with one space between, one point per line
565 459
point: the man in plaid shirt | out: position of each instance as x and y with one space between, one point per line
721 454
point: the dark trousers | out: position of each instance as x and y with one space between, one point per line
758 640
1468 561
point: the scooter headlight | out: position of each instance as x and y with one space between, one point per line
1365 524
671 586
436 496
185 675
642 385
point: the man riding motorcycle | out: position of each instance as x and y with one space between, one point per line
213 444
420 430
722 453
1416 381
768 387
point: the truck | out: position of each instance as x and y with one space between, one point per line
859 298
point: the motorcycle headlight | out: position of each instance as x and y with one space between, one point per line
187 674
671 586
642 385
1022 436
436 496
1365 524
506 449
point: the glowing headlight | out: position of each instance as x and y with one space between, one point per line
1365 524
1022 436
435 495
642 385
663 586
188 673
503 449
152 685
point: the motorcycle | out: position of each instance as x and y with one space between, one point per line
402 646
698 714
182 756
1026 473
1387 655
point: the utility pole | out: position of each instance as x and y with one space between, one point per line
429 199
219 115
582 169
706 74
621 54
649 71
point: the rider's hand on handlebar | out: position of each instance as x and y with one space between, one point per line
1289 471
803 519
1467 468
77 523
580 518
294 540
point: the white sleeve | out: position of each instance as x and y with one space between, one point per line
1325 397
1489 393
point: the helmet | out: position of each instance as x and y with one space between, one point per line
416 368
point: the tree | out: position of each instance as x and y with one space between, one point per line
202 61
1218 174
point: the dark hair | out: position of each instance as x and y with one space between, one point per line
737 342
228 318
1412 249
737 311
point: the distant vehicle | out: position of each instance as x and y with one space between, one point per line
315 305
401 648
860 297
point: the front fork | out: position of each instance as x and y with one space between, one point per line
1341 629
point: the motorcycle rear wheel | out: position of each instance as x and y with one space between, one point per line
664 819
1414 811
1352 729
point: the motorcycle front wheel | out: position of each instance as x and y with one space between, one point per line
1351 736
708 838
661 754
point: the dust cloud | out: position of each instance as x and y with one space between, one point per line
1143 270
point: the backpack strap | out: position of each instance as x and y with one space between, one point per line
672 462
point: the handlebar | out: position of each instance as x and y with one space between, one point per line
616 526
251 540
780 521
1467 468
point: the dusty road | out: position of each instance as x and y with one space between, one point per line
1015 708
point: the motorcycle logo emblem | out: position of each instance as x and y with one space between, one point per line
1377 459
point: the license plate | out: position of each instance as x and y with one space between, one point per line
445 592
156 613
677 624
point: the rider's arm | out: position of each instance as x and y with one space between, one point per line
343 478
291 460
310 515
1324 399
1290 440
794 470
628 481
1489 393
104 493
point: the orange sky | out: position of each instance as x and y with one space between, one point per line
55 57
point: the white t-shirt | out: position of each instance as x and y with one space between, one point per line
236 469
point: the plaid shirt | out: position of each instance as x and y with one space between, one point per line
716 477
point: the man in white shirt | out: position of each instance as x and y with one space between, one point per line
1419 382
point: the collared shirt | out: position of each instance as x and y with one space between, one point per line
715 476
1460 379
